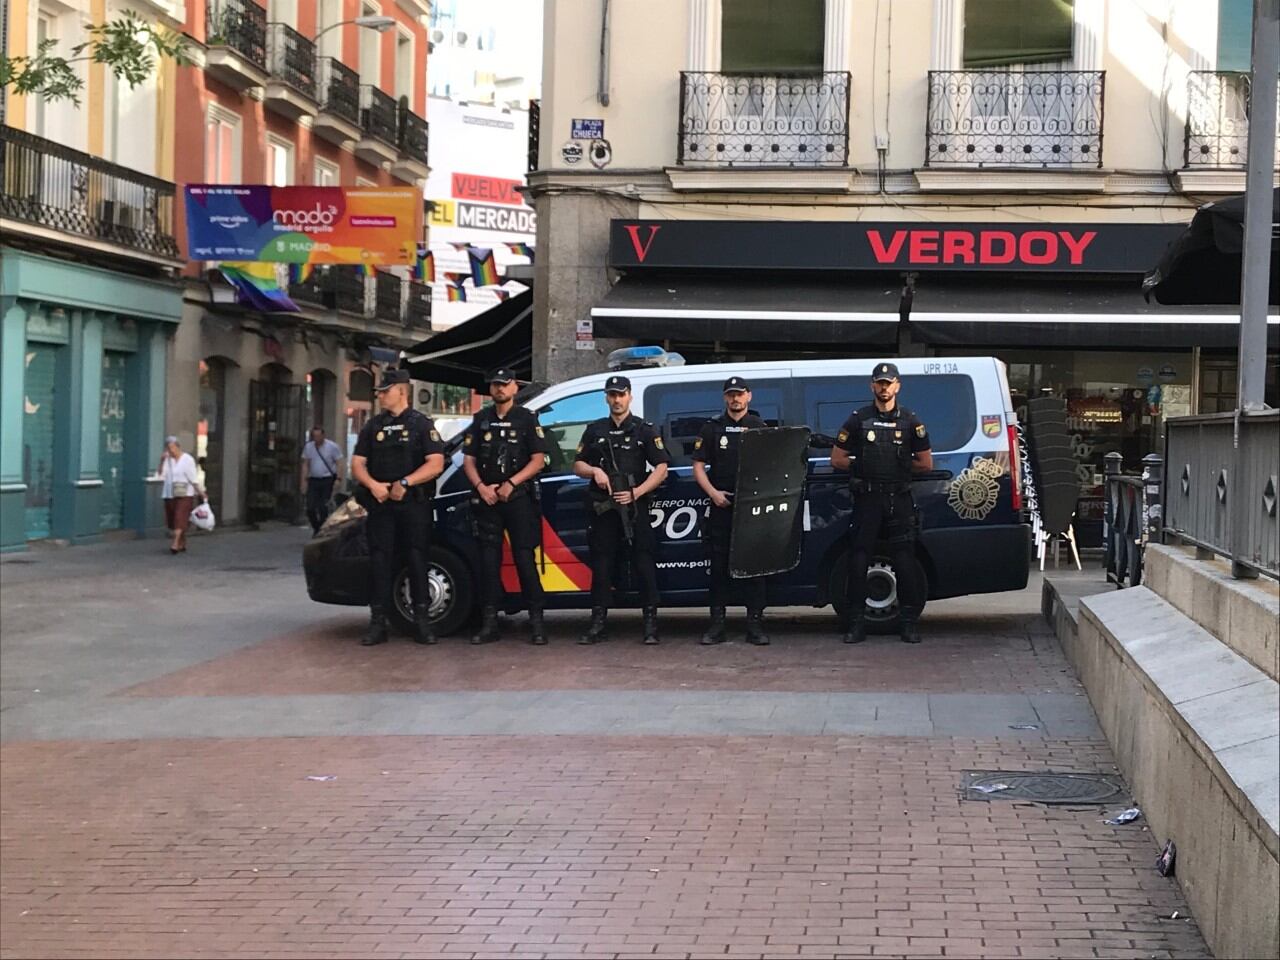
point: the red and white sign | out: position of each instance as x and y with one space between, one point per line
472 186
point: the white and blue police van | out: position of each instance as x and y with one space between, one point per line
973 539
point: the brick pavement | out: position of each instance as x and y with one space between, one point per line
565 846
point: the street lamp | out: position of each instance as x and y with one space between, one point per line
377 22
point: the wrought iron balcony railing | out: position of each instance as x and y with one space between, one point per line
378 114
751 121
418 312
347 285
412 134
240 25
291 58
997 118
339 89
50 185
316 289
535 121
1217 129
388 302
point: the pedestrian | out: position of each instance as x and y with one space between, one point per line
397 458
504 449
715 468
321 468
881 445
615 454
180 489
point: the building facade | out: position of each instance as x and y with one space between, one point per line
757 180
89 295
323 93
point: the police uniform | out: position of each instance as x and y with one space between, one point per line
881 446
393 448
625 449
502 447
717 447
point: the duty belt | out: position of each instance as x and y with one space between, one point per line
869 486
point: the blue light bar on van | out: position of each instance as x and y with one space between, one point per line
628 358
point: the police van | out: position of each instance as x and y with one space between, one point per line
974 538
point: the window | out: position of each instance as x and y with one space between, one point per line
1235 34
945 402
771 36
279 162
44 31
404 65
564 421
1004 32
325 173
222 146
680 409
370 50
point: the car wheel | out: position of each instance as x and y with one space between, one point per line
452 595
884 614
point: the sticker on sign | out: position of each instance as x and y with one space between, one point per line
587 130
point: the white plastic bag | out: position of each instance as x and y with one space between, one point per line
202 516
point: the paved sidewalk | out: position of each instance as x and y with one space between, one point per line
799 800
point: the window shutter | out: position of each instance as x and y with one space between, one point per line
998 33
771 36
1235 35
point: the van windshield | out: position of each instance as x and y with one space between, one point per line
945 402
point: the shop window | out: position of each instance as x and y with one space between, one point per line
564 422
945 402
771 36
680 409
1005 32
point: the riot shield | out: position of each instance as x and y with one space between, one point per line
768 507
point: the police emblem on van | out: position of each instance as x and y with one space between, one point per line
991 426
974 492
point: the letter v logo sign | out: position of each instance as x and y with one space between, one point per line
641 249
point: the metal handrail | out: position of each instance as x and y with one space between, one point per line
240 25
292 58
378 114
339 89
412 135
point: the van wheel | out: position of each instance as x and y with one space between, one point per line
883 612
452 594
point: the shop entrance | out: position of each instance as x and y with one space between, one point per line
111 433
37 438
275 432
211 429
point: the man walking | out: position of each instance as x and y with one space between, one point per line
321 468
504 450
715 468
615 454
881 445
397 458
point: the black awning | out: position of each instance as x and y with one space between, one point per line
1035 312
502 336
780 309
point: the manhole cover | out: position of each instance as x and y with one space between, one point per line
1041 787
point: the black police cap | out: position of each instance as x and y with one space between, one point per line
885 371
501 375
735 383
617 384
390 378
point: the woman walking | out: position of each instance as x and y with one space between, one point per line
180 490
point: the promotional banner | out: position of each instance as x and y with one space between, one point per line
374 226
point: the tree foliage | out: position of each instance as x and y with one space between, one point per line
128 46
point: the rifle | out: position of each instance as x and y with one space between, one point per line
626 511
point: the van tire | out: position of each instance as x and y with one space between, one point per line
879 620
452 578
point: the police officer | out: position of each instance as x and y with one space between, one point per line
715 467
397 458
615 454
881 444
504 449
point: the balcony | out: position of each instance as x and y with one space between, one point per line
418 308
1042 120
411 138
1217 129
348 289
388 297
378 122
47 188
291 60
338 93
236 34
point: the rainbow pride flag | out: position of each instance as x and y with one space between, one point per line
301 272
257 287
368 269
455 294
457 279
484 271
521 249
424 268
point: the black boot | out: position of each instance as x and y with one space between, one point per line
377 632
422 632
715 629
755 628
537 630
910 632
488 626
650 625
857 631
596 629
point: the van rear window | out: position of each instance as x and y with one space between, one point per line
945 402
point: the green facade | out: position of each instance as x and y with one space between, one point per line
82 388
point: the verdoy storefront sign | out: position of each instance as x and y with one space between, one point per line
826 245
361 225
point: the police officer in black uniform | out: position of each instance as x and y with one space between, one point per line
881 444
504 449
615 454
715 467
397 458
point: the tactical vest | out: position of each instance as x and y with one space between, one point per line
502 446
884 448
396 450
621 450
